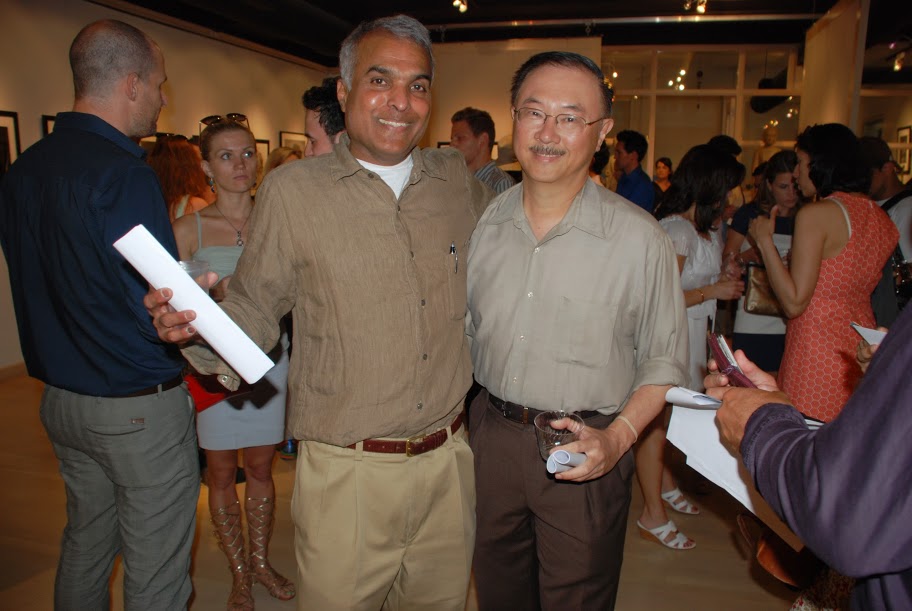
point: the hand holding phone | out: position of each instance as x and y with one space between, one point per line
725 360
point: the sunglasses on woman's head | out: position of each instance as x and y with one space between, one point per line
166 136
231 117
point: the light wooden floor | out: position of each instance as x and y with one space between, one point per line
714 576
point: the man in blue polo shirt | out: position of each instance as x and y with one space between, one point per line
114 408
635 185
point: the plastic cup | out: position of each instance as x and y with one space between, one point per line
198 270
549 437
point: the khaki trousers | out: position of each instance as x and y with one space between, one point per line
384 531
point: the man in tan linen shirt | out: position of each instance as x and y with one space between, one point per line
366 247
574 303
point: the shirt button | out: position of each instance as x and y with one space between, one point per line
420 406
529 294
371 175
536 249
398 208
522 338
423 303
424 357
223 378
514 380
412 253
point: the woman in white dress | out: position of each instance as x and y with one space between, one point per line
253 422
691 213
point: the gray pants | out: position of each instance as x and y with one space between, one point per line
132 483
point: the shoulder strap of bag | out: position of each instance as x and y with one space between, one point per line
896 199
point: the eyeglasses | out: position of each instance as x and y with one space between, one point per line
565 123
232 117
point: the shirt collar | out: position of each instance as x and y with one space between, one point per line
344 163
587 212
97 125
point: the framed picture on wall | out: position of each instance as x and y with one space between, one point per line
904 136
47 124
10 146
293 140
262 147
443 145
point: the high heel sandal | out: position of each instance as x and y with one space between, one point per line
231 542
681 505
660 533
260 514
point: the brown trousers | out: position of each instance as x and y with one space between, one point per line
541 543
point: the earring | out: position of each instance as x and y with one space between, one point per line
211 184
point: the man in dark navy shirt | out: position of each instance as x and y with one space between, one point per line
114 408
635 185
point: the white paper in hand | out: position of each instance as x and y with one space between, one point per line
562 460
872 336
685 397
150 259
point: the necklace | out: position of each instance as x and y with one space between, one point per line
240 240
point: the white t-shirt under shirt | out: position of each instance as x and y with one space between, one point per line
395 176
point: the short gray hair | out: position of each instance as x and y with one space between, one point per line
400 26
104 52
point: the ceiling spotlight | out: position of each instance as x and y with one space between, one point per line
899 61
681 87
671 83
462 5
682 72
698 5
614 74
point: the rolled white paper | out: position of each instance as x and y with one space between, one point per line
684 397
562 460
150 259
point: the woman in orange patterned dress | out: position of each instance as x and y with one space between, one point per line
839 247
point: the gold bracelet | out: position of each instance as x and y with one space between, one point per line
632 429
702 296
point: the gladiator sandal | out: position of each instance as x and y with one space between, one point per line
260 514
231 542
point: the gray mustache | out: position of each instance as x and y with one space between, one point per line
545 150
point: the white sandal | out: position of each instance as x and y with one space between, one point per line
660 533
682 505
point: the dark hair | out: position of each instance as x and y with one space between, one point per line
214 130
567 60
726 144
400 26
783 162
760 170
479 121
322 100
634 142
600 159
104 52
703 178
664 161
836 159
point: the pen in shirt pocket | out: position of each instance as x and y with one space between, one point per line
455 257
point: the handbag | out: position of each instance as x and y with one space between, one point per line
207 391
759 297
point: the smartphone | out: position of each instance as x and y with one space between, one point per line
726 361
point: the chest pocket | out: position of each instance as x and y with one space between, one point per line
584 332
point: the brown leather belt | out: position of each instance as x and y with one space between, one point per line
172 383
523 414
412 446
